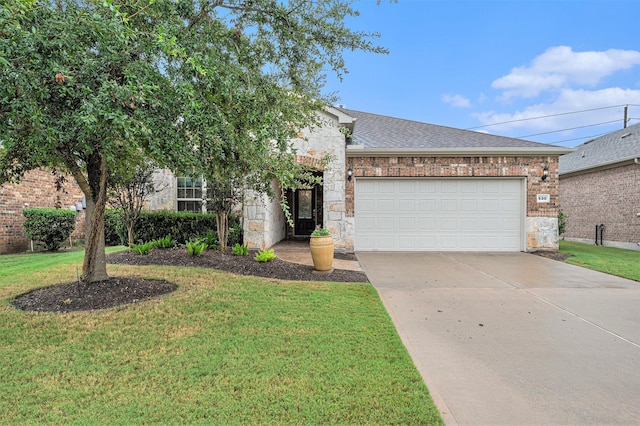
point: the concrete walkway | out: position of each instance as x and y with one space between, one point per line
515 338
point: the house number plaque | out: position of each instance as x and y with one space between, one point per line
543 198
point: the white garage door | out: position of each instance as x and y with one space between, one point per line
439 214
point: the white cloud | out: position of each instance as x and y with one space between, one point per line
560 67
565 111
457 101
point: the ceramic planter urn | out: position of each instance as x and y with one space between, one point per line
322 252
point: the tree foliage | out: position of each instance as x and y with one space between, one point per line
129 192
217 87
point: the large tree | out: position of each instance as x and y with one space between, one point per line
217 87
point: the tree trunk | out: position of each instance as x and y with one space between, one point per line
94 267
130 233
222 225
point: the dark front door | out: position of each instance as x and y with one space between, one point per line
305 211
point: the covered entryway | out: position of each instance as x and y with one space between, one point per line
305 210
306 207
439 214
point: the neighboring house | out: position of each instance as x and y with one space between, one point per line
37 189
400 185
600 185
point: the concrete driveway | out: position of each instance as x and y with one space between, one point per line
515 338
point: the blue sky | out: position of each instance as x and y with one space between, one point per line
466 64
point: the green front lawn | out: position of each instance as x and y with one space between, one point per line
615 261
221 349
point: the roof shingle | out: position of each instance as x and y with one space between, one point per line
374 131
619 146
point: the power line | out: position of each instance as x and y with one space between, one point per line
549 116
564 130
575 139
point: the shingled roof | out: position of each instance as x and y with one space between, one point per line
379 132
613 148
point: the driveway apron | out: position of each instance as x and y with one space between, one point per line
514 338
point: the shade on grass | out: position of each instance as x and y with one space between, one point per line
222 349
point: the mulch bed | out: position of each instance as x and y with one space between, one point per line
555 255
75 296
119 291
241 265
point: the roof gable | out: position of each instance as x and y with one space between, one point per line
619 146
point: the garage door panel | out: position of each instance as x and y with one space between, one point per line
469 242
426 186
510 224
448 205
367 205
386 187
439 214
469 187
491 187
449 242
408 242
426 224
449 187
428 204
366 223
491 243
388 222
407 205
491 224
407 224
386 205
407 188
469 224
469 205
449 224
386 241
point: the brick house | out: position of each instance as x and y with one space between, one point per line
400 185
37 189
600 185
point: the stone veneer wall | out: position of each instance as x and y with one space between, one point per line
166 191
265 224
318 143
610 197
264 221
541 226
37 189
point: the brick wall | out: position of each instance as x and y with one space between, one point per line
37 189
610 197
499 166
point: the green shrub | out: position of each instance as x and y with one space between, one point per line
52 227
115 233
195 247
235 231
562 222
265 255
240 249
164 243
181 226
143 248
